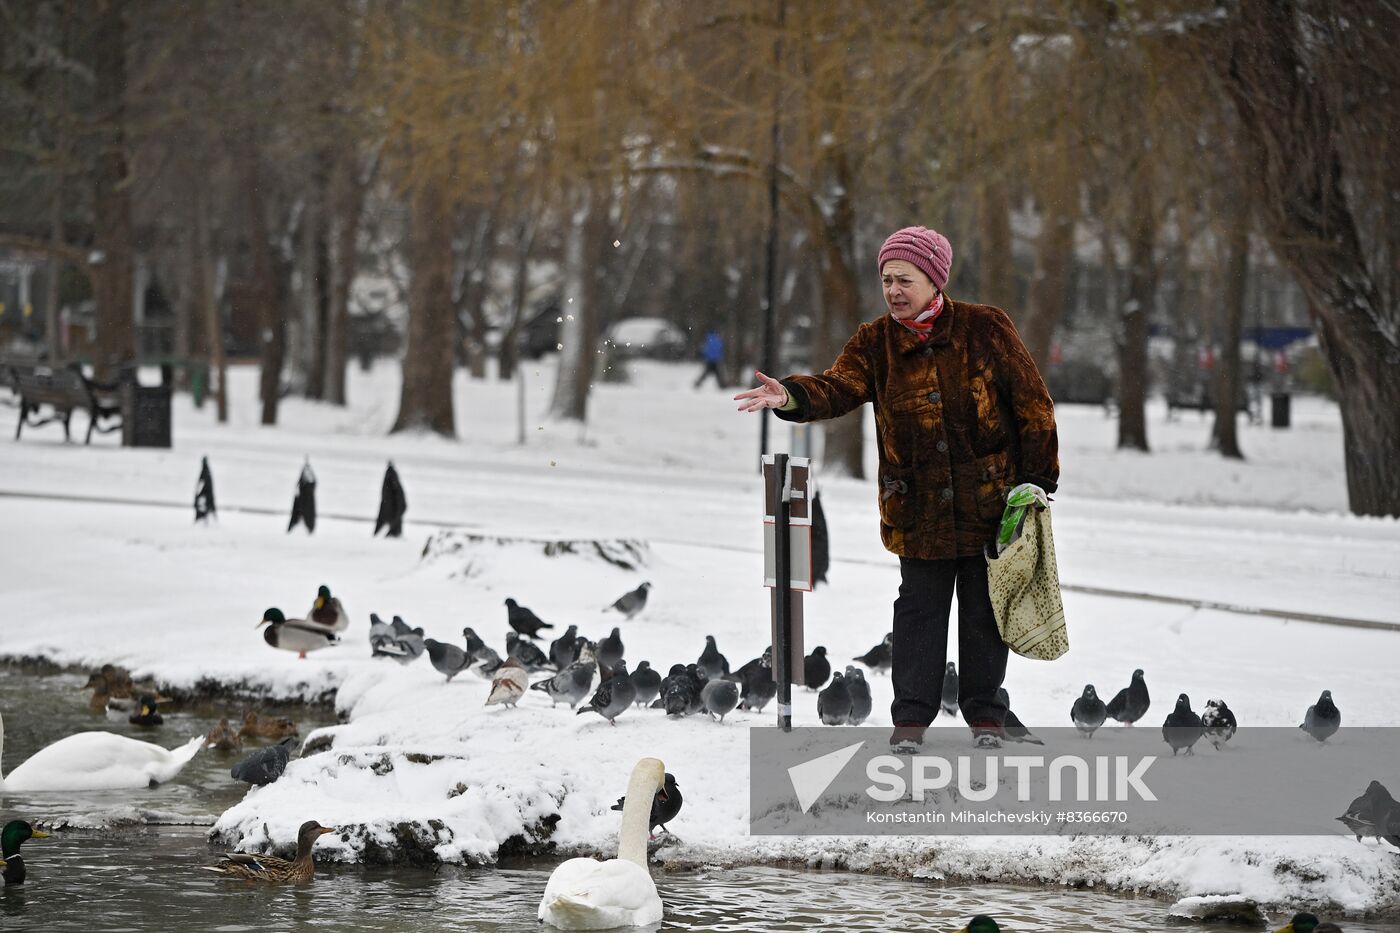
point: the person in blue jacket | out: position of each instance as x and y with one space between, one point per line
713 354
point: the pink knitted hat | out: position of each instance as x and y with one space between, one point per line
927 249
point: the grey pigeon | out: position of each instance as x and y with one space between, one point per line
610 649
1011 723
381 638
816 668
265 765
1219 723
488 662
1130 704
756 685
664 806
647 682
1374 813
569 685
563 651
447 659
711 661
719 696
674 695
613 695
523 620
585 650
1088 712
949 700
1323 718
400 627
878 658
629 604
527 653
697 679
412 644
1182 728
859 692
834 703
475 643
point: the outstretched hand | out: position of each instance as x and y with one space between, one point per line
770 394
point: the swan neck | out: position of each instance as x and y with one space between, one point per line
636 817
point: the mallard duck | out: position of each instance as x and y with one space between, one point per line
15 834
1304 922
295 634
97 761
267 727
327 611
981 924
588 894
224 737
146 713
271 868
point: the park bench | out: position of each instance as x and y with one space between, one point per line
63 391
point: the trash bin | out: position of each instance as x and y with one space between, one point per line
1278 409
145 415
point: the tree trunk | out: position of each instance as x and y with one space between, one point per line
1054 260
272 340
996 272
206 302
1296 166
583 268
1136 318
1225 435
116 326
347 200
844 449
509 352
426 400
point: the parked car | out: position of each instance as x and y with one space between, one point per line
648 338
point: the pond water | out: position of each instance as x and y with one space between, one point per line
144 874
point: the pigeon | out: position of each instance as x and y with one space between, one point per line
1323 718
1088 712
488 661
1130 704
392 505
613 695
411 641
711 661
327 611
145 713
563 651
204 506
878 658
859 692
680 691
1218 722
571 684
821 542
1011 724
719 696
304 502
1182 727
509 685
610 650
265 765
816 668
529 654
1374 813
631 603
295 634
756 685
523 620
697 680
382 641
949 702
447 659
834 702
585 650
664 806
476 646
647 682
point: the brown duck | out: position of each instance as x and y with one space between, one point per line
224 737
267 727
271 868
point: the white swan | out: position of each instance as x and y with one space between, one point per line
96 761
586 894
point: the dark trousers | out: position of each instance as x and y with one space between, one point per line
711 369
921 641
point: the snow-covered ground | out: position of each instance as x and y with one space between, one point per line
98 568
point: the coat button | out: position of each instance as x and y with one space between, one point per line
934 397
948 494
942 447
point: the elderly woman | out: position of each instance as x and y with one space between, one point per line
962 415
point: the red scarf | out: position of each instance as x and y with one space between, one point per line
923 324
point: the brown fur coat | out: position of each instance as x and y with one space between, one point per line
961 417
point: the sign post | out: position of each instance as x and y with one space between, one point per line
787 567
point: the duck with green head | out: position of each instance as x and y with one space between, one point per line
981 924
327 611
1304 922
295 634
15 834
